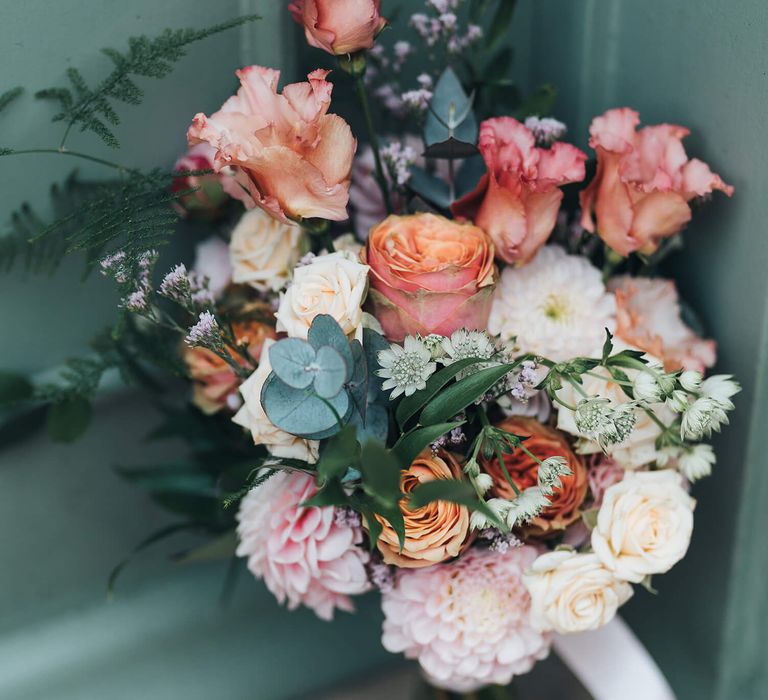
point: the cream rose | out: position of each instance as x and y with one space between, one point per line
331 284
573 592
644 525
264 250
251 416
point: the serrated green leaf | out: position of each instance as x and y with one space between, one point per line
410 445
69 419
458 396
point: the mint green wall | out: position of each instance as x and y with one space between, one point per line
65 518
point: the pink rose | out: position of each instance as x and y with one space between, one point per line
429 274
210 196
648 317
289 156
339 26
516 202
643 183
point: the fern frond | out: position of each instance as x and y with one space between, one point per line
89 108
9 96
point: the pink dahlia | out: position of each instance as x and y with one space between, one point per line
466 622
306 556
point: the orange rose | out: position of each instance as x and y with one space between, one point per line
289 156
543 442
433 533
429 275
213 379
339 26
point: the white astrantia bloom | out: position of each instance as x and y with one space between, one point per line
701 418
555 306
483 483
549 473
696 462
405 368
720 388
464 344
593 416
434 344
646 388
678 401
690 380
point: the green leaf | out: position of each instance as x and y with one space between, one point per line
290 359
169 477
457 397
408 447
14 388
373 344
450 149
453 491
326 331
358 382
381 473
429 187
394 516
9 96
373 525
539 103
607 346
340 453
332 494
469 175
69 419
450 113
501 22
376 426
409 406
331 372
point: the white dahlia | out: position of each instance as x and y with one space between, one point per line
556 306
467 622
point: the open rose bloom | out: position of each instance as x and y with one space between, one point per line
459 398
644 182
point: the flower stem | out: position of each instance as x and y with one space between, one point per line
73 154
362 95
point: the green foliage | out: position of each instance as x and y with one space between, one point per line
411 444
340 453
91 108
14 388
453 491
68 419
9 96
451 128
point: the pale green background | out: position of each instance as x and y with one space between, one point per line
65 518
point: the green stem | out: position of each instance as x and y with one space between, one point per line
565 404
73 154
362 95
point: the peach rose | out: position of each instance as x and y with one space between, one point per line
648 317
543 442
643 183
339 26
429 275
289 156
214 381
516 202
435 532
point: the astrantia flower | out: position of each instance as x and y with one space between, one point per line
720 388
646 388
696 462
555 306
405 368
701 418
550 471
463 344
690 380
304 556
467 622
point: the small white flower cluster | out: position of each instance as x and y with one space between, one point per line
417 100
599 420
546 130
708 412
399 159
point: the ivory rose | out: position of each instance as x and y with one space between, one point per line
339 26
429 275
543 442
644 525
433 533
643 183
331 284
263 250
253 418
573 592
516 202
289 156
214 382
648 317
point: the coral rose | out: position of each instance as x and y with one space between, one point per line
305 556
214 382
643 183
339 26
290 157
543 442
648 317
434 532
518 199
429 275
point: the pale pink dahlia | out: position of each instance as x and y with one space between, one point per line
305 556
466 622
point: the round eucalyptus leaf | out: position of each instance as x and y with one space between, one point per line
326 331
331 372
293 361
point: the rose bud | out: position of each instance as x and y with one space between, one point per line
288 155
429 274
643 183
523 470
209 198
339 26
516 202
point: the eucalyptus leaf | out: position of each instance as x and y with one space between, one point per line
458 396
330 373
291 360
326 331
450 113
450 149
376 425
408 447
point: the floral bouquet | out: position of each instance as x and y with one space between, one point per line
437 365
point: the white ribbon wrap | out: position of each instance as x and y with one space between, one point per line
612 664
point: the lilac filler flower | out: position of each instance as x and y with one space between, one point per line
136 302
546 130
176 284
205 333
